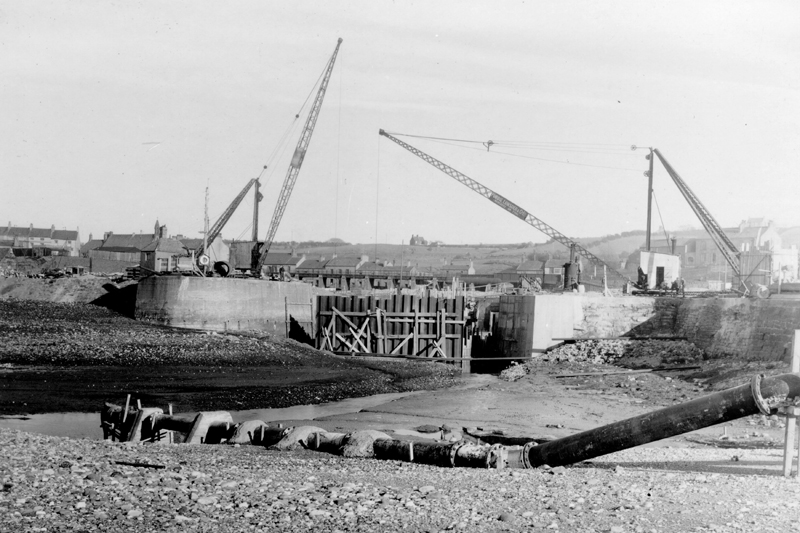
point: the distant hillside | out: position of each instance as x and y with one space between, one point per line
491 258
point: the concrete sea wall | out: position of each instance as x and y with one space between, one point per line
746 329
224 304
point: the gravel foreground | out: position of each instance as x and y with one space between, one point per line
56 484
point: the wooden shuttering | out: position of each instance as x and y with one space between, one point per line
406 325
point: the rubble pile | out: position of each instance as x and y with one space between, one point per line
627 352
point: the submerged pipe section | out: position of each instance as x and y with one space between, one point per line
762 395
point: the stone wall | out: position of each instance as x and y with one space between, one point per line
747 329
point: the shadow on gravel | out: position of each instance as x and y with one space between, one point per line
738 466
119 299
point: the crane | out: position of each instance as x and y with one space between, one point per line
294 166
723 242
216 229
505 203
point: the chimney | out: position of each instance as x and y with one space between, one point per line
52 229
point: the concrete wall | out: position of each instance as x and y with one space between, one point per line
223 304
535 320
746 329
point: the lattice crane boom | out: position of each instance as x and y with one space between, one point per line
216 229
723 242
297 161
505 203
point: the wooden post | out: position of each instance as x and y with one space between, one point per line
415 326
125 412
791 421
381 348
170 433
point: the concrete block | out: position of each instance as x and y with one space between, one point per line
203 422
248 432
143 419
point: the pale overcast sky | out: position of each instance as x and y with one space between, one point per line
116 114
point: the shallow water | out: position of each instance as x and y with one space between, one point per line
87 425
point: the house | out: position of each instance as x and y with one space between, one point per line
451 270
417 240
161 255
277 263
126 247
345 265
41 241
553 267
91 244
312 267
122 247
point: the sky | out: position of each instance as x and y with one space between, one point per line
118 114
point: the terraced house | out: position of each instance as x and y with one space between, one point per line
40 242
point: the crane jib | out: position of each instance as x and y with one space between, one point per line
508 205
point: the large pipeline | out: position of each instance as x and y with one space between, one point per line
762 395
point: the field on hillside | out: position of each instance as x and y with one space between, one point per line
486 258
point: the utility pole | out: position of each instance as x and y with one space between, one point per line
649 196
205 232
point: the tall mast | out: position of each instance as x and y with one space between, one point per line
649 198
256 199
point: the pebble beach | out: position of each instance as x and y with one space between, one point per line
57 484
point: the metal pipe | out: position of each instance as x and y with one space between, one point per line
760 396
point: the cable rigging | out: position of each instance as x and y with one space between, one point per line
543 145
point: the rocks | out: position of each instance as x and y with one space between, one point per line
235 489
627 352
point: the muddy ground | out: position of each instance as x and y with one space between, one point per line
72 357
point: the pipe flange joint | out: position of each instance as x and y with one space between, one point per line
526 462
755 388
494 452
454 451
